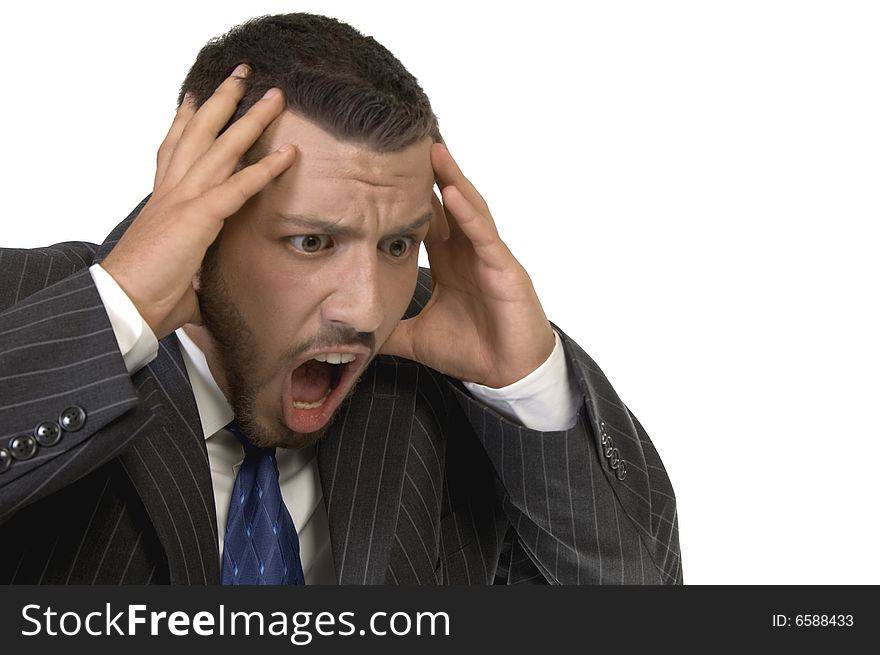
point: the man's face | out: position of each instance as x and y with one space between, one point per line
323 261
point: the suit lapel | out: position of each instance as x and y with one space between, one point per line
362 461
169 468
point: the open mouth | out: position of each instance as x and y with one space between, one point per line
316 387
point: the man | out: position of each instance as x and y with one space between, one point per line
258 334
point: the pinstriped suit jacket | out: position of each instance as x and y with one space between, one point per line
422 483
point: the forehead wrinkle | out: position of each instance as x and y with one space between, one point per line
377 177
359 166
378 185
332 227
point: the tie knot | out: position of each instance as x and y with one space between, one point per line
250 450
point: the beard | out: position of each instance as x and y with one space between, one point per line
239 355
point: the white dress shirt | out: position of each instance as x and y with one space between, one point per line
547 399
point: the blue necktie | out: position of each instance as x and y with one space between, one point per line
261 545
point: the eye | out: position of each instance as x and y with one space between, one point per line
310 243
400 246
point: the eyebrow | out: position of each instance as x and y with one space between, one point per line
332 228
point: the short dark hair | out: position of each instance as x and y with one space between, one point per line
347 83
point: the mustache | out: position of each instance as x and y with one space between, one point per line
331 337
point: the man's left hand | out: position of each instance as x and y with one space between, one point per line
483 322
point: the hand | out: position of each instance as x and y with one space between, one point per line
194 191
483 322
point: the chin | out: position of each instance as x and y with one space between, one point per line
299 440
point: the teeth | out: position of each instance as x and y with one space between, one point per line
314 405
334 358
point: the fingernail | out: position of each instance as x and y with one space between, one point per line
285 147
271 93
242 70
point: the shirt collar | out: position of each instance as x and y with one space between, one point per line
214 410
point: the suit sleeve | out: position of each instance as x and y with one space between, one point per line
588 505
62 376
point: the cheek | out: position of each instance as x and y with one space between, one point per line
275 302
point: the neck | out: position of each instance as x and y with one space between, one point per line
203 339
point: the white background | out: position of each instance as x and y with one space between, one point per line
693 187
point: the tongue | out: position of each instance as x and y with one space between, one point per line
311 381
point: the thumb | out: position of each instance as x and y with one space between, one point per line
400 341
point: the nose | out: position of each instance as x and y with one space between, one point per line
356 300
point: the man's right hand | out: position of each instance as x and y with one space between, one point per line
195 190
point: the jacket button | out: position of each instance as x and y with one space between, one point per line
23 447
5 460
48 433
72 418
621 470
609 446
614 460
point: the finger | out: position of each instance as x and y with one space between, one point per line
184 113
438 230
201 130
227 198
399 343
222 158
188 308
447 172
481 233
195 315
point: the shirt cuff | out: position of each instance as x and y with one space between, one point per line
546 399
136 340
